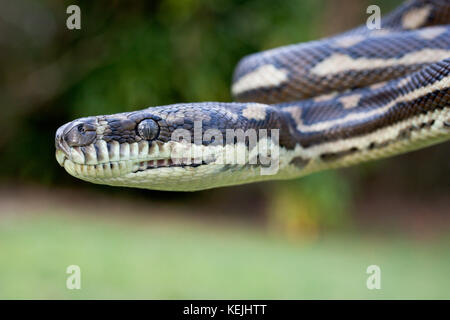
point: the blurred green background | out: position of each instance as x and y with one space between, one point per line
307 238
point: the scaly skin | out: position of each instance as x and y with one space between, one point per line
354 97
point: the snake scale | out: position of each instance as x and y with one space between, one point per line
342 100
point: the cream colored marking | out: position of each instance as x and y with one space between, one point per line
403 82
174 116
296 114
416 17
264 76
431 33
351 101
124 151
114 151
100 171
348 41
360 116
123 167
101 126
230 114
77 168
339 62
115 169
90 154
91 171
379 136
134 150
153 150
77 155
255 111
143 149
103 150
107 171
380 32
325 97
60 156
378 85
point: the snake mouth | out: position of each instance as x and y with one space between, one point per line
168 163
103 160
121 168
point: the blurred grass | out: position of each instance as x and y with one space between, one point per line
149 259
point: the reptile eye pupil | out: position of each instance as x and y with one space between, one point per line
148 129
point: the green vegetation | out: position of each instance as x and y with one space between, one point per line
146 258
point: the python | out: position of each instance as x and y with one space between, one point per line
339 101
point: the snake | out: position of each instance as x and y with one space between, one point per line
361 95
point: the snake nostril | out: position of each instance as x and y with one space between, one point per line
81 129
80 134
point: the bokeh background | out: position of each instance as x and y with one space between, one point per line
302 239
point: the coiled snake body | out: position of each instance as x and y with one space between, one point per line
361 95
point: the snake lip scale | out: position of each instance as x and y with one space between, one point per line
339 101
155 164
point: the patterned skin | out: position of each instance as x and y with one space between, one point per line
361 95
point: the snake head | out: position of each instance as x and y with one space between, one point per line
175 147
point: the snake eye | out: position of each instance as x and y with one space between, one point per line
148 129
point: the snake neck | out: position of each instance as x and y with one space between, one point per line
385 119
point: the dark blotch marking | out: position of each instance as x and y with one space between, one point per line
299 162
121 130
402 135
331 156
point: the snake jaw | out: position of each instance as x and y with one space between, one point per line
60 157
102 160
